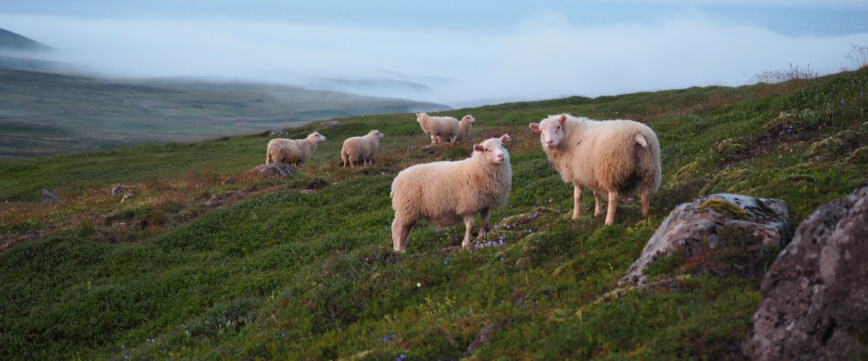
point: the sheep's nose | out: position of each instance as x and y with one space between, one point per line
500 157
549 142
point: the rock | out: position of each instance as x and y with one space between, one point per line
277 132
328 124
119 190
691 226
814 303
273 170
484 337
48 197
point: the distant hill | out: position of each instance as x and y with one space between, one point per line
16 42
48 114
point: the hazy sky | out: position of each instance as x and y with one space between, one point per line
453 52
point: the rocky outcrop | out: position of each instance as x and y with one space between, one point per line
272 170
814 302
705 222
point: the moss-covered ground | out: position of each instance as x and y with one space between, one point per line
205 262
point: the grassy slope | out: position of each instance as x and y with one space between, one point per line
215 264
50 114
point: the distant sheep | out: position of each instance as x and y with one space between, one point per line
609 157
446 193
293 151
440 128
361 149
463 128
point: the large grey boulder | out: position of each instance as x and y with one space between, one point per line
273 170
693 226
814 303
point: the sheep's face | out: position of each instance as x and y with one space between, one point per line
493 150
319 138
419 117
551 131
469 118
377 133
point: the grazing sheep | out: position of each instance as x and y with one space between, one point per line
440 128
446 193
293 151
463 128
609 157
361 149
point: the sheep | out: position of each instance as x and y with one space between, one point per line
292 151
609 157
361 149
463 128
440 128
446 192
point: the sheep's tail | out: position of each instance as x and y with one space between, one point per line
344 158
640 139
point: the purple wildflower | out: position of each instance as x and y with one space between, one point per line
842 100
501 258
385 338
123 347
403 356
393 336
534 215
446 262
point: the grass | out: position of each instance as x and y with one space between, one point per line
206 262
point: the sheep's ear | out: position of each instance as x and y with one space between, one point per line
535 127
504 138
478 148
563 118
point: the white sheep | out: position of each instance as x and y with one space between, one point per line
440 128
361 149
609 157
292 151
463 128
446 193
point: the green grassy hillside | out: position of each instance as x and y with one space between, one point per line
206 262
51 114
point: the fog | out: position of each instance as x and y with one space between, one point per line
546 55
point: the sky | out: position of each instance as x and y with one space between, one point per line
460 53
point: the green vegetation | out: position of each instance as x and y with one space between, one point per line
206 262
724 207
51 114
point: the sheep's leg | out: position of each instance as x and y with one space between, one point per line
646 194
400 233
613 203
433 139
577 201
468 232
598 205
485 214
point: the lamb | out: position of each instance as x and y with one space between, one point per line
446 192
463 128
292 151
361 149
440 128
609 157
